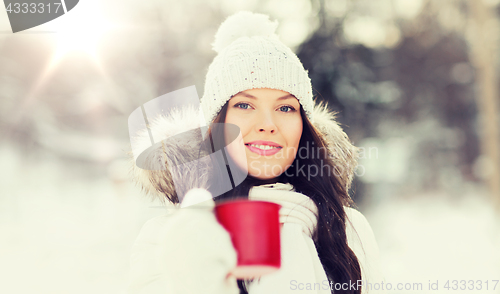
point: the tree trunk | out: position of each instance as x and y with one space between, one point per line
484 57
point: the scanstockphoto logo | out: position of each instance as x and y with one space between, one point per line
25 14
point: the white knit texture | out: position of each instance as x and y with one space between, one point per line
251 62
295 207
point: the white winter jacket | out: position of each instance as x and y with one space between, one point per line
189 251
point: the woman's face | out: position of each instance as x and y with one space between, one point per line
271 127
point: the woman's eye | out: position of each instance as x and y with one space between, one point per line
286 108
242 105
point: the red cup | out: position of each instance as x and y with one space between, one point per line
255 232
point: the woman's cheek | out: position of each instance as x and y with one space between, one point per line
237 151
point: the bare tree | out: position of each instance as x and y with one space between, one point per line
484 56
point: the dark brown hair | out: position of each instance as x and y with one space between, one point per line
329 193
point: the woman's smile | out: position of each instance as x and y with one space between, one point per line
271 127
265 148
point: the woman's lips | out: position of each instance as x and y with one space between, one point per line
264 152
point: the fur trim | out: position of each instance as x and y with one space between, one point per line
343 153
182 137
150 169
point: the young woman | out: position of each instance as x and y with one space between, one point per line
292 152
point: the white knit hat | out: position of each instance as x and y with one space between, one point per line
252 56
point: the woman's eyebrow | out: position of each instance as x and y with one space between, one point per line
246 95
253 97
286 97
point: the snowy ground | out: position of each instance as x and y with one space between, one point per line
435 238
64 234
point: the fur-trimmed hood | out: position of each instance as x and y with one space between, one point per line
150 167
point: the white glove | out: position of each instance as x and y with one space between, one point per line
187 251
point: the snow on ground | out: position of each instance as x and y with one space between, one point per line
435 237
64 234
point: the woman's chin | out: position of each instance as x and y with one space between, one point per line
262 175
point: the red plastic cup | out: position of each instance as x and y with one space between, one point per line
255 232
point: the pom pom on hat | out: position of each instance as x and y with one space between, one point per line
243 24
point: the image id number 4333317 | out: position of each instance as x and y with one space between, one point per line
33 7
470 284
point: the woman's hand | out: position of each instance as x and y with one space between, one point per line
185 252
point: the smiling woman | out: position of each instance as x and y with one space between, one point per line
295 154
271 126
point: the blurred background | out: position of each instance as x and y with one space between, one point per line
414 83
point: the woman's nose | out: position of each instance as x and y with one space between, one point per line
266 124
